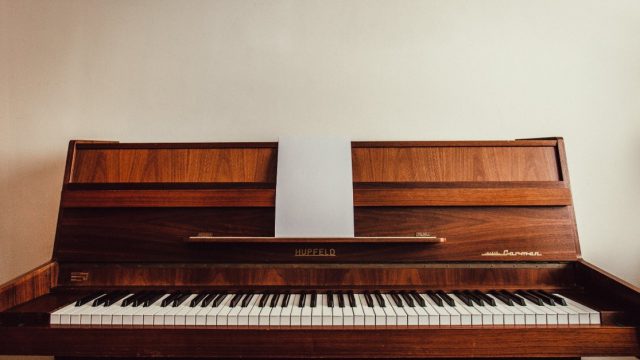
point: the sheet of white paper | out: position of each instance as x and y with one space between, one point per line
314 190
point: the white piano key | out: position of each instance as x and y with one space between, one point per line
421 312
444 318
465 315
296 312
316 311
509 316
159 316
584 311
56 317
326 313
389 314
307 312
212 315
232 318
181 311
369 316
274 316
285 314
96 315
498 316
337 312
434 316
265 313
400 313
254 313
222 318
478 317
454 315
148 315
243 316
379 314
347 312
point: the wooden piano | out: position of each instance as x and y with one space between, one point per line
462 249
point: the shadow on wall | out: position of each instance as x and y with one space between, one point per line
30 201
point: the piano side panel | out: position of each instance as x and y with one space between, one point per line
473 234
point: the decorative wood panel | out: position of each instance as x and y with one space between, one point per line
174 165
158 234
455 163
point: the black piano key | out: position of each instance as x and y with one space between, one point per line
209 299
436 299
302 299
517 299
505 299
462 296
314 299
274 300
408 299
169 299
418 298
556 298
379 298
330 298
352 299
196 300
368 298
264 299
100 300
128 300
285 299
219 299
484 297
115 297
396 299
88 298
180 299
547 299
448 299
340 299
474 298
137 300
153 298
236 299
247 299
530 297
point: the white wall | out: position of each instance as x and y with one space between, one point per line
375 70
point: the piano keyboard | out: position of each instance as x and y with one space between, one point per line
375 308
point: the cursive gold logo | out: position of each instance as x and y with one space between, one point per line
315 252
511 253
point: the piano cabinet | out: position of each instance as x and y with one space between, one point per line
129 213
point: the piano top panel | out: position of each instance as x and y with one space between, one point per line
493 201
386 162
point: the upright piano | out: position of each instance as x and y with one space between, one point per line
461 249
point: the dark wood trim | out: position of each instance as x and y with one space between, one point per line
29 286
323 342
301 275
216 145
169 198
463 197
489 143
362 197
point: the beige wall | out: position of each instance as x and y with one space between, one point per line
240 70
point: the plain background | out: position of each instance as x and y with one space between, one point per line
373 70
